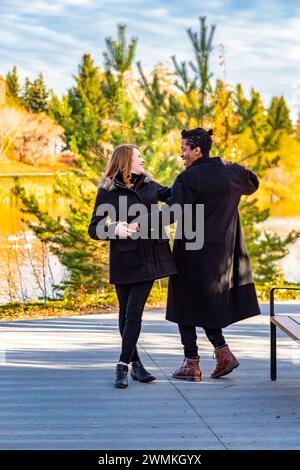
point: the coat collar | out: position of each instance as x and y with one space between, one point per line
207 160
110 184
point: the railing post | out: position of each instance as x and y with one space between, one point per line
273 329
273 337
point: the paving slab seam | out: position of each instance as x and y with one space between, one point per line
182 396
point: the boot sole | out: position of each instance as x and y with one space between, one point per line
121 386
151 379
227 370
188 379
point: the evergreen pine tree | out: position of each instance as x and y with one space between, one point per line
264 133
297 128
81 113
35 95
118 59
12 79
279 116
156 135
197 89
155 102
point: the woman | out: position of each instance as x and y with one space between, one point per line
134 264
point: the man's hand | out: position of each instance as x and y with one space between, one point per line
123 230
225 162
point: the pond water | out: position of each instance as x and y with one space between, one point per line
28 269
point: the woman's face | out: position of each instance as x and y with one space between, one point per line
137 165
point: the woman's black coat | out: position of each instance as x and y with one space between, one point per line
132 261
214 285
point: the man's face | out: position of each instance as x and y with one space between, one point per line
187 154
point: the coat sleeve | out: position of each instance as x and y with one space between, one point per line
182 192
246 180
163 192
98 227
251 182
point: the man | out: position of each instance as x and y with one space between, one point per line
214 286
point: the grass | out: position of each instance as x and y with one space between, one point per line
18 168
81 304
104 302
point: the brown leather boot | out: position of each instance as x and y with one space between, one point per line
226 362
188 371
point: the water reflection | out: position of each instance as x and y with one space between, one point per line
290 263
28 270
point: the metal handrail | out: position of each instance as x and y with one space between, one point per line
272 290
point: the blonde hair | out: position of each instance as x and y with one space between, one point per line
120 163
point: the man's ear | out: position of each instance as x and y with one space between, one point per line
198 151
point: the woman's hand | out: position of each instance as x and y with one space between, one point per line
123 230
135 227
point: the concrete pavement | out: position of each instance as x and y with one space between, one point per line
56 388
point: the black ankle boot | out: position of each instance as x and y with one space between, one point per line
138 372
121 376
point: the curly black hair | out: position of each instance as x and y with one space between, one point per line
198 137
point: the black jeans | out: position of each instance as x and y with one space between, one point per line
189 339
132 299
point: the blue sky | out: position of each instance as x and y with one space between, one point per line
261 38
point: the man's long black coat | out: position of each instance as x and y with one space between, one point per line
214 286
